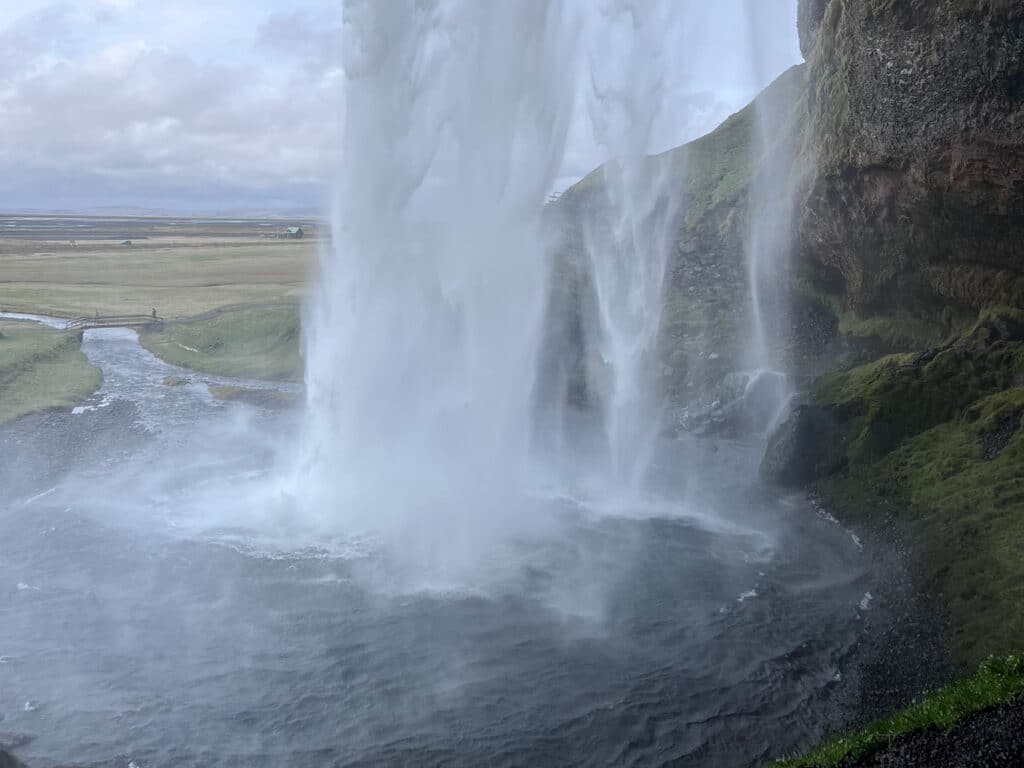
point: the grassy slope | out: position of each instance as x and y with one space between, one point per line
937 442
997 680
41 368
256 342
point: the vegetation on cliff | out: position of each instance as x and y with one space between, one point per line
935 439
911 245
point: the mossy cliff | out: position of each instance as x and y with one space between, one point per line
934 440
912 237
915 114
706 293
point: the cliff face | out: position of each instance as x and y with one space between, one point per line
912 234
705 316
915 128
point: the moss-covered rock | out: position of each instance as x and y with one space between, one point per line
798 446
934 438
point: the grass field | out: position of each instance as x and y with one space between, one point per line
179 278
41 368
230 298
260 341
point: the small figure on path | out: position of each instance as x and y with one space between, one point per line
154 313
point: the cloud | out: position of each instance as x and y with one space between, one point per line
115 102
126 114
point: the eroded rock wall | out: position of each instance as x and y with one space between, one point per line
915 129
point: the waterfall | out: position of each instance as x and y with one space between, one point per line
423 333
629 239
769 237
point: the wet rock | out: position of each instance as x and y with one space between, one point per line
798 446
746 403
914 113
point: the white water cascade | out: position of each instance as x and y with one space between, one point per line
629 243
423 333
770 209
769 238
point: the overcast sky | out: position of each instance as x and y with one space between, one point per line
223 105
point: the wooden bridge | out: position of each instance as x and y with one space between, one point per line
110 321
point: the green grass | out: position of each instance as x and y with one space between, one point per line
997 680
42 368
895 330
251 342
178 280
895 398
913 433
969 511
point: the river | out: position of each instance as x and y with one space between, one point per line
163 606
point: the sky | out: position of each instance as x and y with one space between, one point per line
237 105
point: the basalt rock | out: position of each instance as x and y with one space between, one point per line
799 446
915 129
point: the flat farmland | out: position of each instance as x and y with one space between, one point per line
181 271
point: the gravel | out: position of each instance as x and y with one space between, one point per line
990 739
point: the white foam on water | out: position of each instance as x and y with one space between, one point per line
38 496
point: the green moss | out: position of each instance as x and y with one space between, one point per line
254 341
935 440
897 331
828 94
902 395
997 680
42 368
969 510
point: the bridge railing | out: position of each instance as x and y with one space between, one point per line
109 321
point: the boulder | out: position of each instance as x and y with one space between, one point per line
798 446
747 404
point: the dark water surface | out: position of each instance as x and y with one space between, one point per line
704 630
